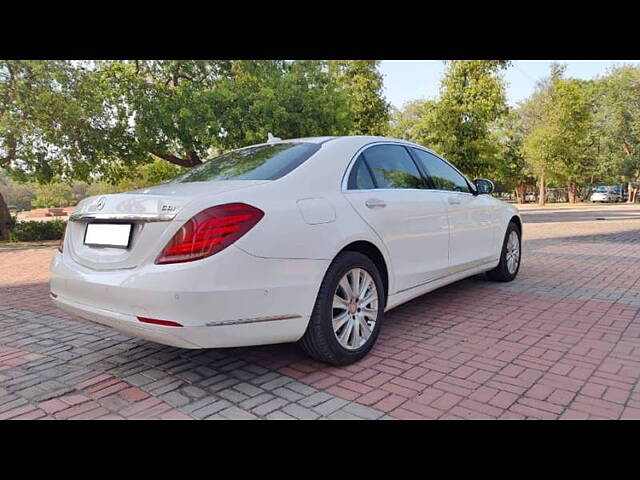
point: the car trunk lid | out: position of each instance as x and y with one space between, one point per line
150 211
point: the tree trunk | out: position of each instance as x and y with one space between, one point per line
191 160
5 218
630 193
520 193
571 192
543 191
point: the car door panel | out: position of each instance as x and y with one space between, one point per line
472 224
413 225
410 220
472 218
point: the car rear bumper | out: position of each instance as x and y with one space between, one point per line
234 300
256 332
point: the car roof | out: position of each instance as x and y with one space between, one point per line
347 138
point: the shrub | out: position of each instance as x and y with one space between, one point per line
101 188
18 195
35 231
53 195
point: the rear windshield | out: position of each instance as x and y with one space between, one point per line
263 162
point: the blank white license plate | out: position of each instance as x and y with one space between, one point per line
108 234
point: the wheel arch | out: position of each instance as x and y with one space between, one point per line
376 256
518 221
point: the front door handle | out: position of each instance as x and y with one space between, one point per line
454 200
375 203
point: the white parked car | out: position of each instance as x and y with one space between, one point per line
307 240
607 194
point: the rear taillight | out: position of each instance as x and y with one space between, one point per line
210 231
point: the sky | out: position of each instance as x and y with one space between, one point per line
406 80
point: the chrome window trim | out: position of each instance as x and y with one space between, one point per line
345 176
347 173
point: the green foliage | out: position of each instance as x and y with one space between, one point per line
103 188
363 84
511 171
412 122
17 195
458 124
89 120
558 144
617 124
154 173
53 195
35 231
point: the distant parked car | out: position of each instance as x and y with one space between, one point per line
607 194
530 197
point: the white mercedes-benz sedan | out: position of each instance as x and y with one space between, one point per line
307 240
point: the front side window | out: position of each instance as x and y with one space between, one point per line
442 175
262 162
392 167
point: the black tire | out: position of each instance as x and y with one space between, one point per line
501 272
319 341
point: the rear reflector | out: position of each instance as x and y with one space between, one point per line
209 232
166 323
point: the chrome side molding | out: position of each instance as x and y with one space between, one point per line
252 320
133 217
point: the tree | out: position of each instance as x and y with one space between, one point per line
558 143
458 123
618 124
511 169
16 195
28 90
558 120
89 120
413 121
363 85
472 98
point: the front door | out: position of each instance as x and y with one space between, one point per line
471 224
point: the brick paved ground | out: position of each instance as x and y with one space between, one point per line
562 341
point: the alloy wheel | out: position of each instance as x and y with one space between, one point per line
513 252
355 308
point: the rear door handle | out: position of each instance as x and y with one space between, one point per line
454 201
375 203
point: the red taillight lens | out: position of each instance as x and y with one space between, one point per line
210 231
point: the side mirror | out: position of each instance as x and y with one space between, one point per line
483 186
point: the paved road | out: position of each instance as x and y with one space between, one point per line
597 212
562 341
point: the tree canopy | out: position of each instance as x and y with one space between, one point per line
458 123
83 119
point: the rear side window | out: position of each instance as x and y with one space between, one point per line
442 175
262 162
392 167
360 178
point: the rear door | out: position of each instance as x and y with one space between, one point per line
472 218
387 190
